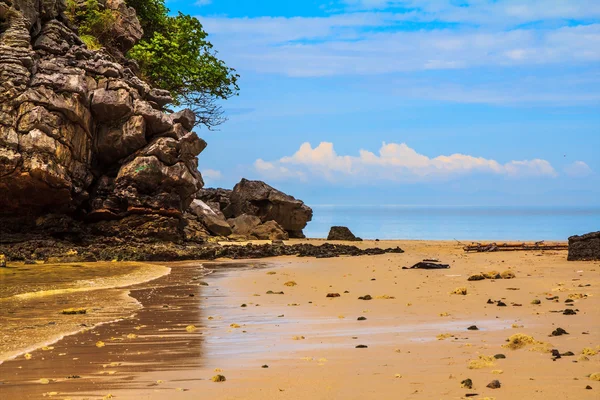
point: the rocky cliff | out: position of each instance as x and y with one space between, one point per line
81 135
90 156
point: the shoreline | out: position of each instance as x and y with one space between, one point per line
53 300
163 358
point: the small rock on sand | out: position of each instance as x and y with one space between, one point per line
333 295
365 297
473 328
559 332
495 384
467 384
361 346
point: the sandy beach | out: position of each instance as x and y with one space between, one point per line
410 340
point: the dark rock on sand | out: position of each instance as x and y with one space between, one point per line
585 247
428 265
333 295
365 297
559 332
476 277
495 384
500 303
361 318
499 356
473 328
568 311
361 346
467 383
342 233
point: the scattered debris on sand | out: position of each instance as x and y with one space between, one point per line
492 247
461 291
481 362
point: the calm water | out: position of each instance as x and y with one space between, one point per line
462 223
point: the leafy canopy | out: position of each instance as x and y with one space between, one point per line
174 54
179 58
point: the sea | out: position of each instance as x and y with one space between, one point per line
463 223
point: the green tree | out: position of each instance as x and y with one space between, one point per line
179 58
174 54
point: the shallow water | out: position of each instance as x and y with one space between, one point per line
32 298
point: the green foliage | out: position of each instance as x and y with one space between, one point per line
95 25
174 54
91 42
180 59
152 15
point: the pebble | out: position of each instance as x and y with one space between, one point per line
495 384
559 332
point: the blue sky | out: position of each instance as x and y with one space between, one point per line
409 102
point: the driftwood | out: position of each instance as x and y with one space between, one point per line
491 247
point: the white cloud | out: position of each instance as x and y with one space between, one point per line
203 2
211 174
578 169
394 162
276 171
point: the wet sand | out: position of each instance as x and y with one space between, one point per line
308 341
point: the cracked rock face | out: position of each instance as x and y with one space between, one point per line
80 133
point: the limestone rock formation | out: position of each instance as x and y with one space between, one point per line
81 134
585 247
269 204
342 233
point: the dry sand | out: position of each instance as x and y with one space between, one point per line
418 345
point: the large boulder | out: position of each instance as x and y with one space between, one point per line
269 204
211 220
342 233
585 247
244 224
270 230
